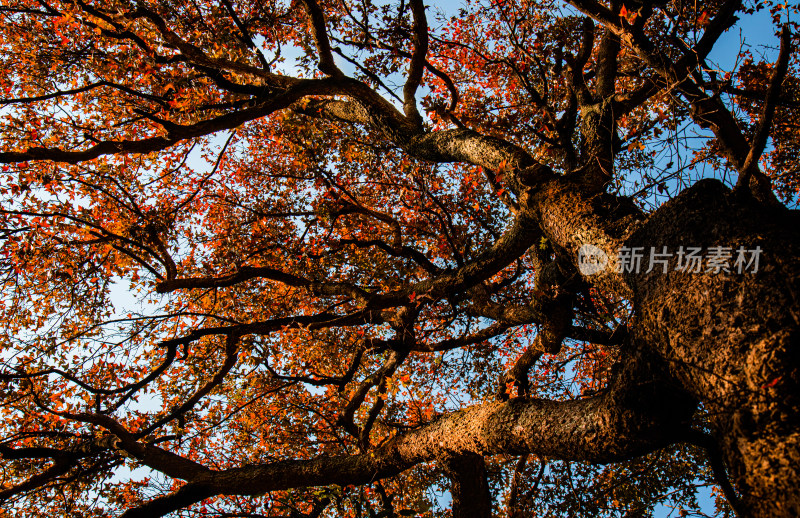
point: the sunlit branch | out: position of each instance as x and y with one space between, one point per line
596 429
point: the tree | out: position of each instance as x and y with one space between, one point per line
317 258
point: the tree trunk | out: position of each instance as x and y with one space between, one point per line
469 487
731 340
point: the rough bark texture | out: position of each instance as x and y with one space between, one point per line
731 340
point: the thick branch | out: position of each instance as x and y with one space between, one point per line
607 65
417 65
458 145
59 467
319 31
518 374
183 497
178 133
318 321
628 420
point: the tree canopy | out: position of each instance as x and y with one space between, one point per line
347 258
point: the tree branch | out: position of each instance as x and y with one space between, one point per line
417 65
468 486
245 273
320 34
629 419
179 133
750 166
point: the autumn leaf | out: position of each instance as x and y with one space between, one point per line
629 16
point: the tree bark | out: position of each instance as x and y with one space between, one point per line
731 340
469 487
